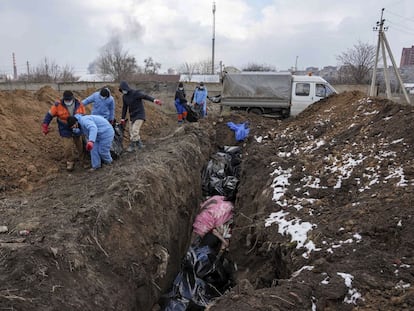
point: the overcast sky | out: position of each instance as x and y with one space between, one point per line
273 32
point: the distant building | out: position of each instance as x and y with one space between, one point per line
329 73
200 78
155 78
95 78
407 57
312 70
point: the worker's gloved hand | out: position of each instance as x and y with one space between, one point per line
89 145
157 102
112 122
123 122
45 128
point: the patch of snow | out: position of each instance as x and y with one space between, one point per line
280 182
296 228
353 294
370 113
397 141
357 236
296 273
325 281
398 173
402 285
284 154
258 139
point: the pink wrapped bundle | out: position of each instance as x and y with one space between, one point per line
214 213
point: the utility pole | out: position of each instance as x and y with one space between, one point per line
14 67
296 63
383 44
221 68
214 34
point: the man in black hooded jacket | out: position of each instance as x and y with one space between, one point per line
133 101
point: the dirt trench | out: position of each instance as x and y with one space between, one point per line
108 240
114 239
111 240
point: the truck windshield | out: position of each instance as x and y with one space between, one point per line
323 90
320 90
329 91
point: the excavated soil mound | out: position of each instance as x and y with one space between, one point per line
323 219
325 210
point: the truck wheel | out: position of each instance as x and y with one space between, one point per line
285 113
257 111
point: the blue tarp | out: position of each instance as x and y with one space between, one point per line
241 130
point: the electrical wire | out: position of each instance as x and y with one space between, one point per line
393 3
400 16
402 29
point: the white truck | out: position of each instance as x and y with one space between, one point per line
281 94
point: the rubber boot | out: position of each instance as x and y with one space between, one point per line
131 147
140 145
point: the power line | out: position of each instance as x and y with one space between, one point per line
393 3
399 24
400 16
397 27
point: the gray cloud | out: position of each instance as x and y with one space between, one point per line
73 32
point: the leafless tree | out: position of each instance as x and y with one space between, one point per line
188 69
151 67
356 63
48 71
67 75
115 62
202 67
258 67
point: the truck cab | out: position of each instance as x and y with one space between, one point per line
306 90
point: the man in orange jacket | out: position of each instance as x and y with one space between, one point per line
62 109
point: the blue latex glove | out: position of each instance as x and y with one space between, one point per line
241 130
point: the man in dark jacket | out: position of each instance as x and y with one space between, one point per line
132 101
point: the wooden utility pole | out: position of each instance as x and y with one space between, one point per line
383 44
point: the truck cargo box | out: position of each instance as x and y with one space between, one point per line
264 89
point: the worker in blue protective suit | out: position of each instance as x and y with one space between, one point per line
103 104
99 134
199 99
